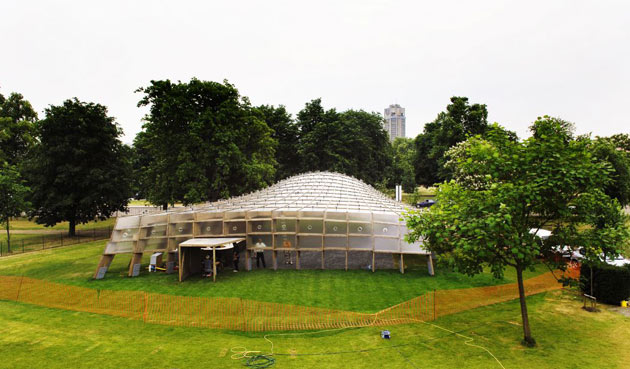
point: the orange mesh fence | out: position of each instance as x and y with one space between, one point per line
249 315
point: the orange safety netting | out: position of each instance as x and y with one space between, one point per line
249 315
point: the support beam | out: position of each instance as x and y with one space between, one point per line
373 263
274 258
103 266
402 264
430 265
323 263
134 266
297 260
346 260
248 260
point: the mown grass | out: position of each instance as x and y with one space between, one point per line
25 224
568 337
355 290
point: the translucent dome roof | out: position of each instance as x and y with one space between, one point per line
316 190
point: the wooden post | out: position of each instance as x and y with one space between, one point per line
136 258
373 259
106 261
297 260
346 259
323 265
179 260
214 264
402 264
274 258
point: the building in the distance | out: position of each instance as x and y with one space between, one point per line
395 121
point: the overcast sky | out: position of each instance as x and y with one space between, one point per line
522 58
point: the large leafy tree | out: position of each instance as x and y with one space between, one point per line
13 197
79 170
459 121
204 141
286 133
17 128
351 142
503 192
610 151
402 171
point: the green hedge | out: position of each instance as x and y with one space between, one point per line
611 284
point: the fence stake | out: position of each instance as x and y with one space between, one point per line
434 303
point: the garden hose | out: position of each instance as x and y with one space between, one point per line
260 361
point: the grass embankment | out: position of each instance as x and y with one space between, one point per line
355 290
567 336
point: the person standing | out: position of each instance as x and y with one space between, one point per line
235 257
260 253
286 244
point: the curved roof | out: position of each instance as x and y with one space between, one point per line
316 190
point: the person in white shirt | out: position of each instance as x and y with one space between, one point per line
260 254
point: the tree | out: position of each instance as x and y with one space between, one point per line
459 121
606 150
503 192
17 129
402 167
286 133
205 142
13 195
352 142
79 171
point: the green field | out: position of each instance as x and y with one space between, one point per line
356 290
25 224
567 336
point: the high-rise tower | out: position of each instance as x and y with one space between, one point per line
395 121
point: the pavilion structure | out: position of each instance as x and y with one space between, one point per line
319 212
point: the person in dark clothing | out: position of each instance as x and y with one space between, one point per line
235 257
260 254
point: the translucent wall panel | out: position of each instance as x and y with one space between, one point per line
210 228
180 229
285 241
235 215
311 226
258 214
336 215
311 213
154 231
284 213
154 244
149 220
257 226
284 225
336 227
309 242
124 234
252 240
386 244
127 222
360 228
180 217
173 243
331 242
415 248
205 215
360 216
386 217
119 247
360 243
235 227
381 229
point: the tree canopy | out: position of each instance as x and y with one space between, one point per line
503 192
402 171
459 121
352 142
79 170
285 132
17 129
612 151
204 142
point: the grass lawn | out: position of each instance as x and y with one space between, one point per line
567 336
25 224
355 290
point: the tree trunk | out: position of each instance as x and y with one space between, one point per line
165 206
527 334
8 237
72 228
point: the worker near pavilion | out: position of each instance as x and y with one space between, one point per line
260 253
235 257
286 244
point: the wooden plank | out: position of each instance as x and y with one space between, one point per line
402 264
136 258
105 261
